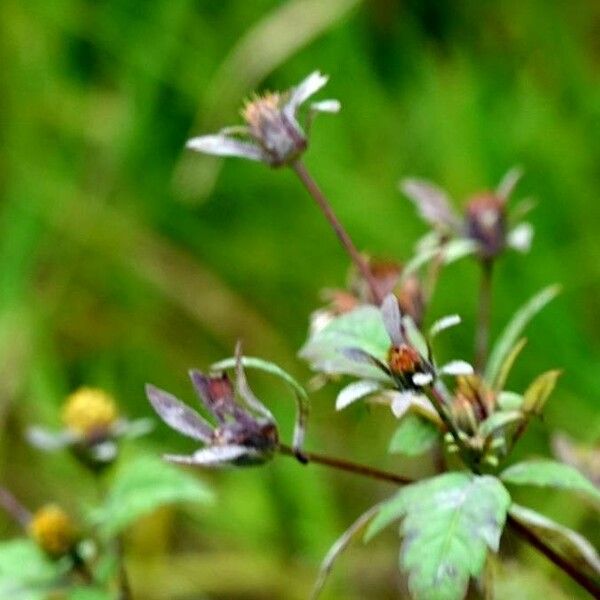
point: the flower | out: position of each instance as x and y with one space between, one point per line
92 428
243 435
409 362
486 223
53 531
272 133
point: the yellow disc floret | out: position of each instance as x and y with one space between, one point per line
53 531
89 411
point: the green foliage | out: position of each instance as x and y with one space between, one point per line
448 523
89 593
571 545
413 436
141 486
251 362
361 328
508 338
25 572
552 474
539 391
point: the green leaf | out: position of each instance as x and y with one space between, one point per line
141 486
549 473
449 521
89 593
513 330
459 248
25 571
413 436
361 328
568 543
507 364
415 337
508 401
499 420
251 362
539 391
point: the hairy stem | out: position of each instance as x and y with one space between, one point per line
345 465
482 335
361 264
523 531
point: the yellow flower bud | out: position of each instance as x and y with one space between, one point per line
89 411
53 531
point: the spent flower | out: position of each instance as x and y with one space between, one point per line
487 223
244 435
272 132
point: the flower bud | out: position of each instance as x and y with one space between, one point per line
486 224
53 531
90 412
404 360
473 402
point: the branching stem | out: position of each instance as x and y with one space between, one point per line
319 197
522 530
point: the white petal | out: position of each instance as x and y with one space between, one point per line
457 367
355 391
327 106
421 379
444 323
402 402
520 237
213 456
49 440
305 89
222 145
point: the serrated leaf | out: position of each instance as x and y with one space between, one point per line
25 572
552 474
515 327
507 364
539 391
141 486
252 362
570 544
415 435
449 522
355 391
361 328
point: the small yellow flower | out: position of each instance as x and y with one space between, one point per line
89 411
52 530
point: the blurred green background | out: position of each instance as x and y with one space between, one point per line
125 259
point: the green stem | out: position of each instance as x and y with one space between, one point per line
319 197
482 335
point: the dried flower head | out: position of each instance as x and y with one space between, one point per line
272 133
92 428
53 531
487 223
244 435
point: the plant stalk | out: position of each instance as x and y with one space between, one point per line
523 531
345 465
482 335
319 197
